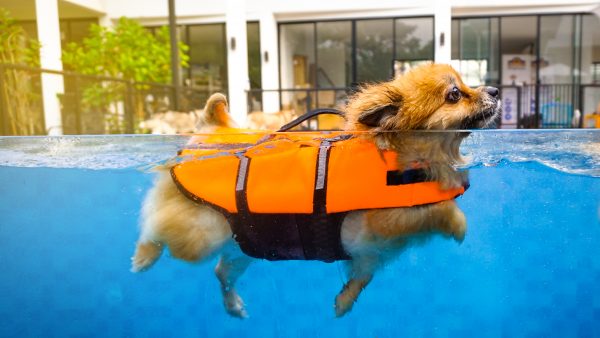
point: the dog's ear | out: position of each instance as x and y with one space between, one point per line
376 116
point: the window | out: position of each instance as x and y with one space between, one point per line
254 61
590 50
556 49
475 50
374 50
208 58
334 54
297 55
414 43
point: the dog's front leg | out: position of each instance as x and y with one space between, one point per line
231 266
361 271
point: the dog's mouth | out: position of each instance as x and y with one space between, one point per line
482 119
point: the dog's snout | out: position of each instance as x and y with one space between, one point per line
493 91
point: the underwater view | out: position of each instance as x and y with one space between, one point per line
529 264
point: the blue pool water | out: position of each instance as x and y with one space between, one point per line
529 265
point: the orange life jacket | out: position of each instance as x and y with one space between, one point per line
282 175
301 178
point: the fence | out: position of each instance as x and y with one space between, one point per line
558 103
100 105
89 104
590 105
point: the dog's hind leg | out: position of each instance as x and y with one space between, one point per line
146 253
231 266
190 230
360 273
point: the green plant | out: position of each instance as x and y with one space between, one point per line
128 51
22 100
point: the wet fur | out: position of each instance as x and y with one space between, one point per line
415 101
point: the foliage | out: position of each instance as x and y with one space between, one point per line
24 115
128 51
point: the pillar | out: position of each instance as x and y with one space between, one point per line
443 35
237 60
269 52
50 58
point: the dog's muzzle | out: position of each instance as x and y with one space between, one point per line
491 109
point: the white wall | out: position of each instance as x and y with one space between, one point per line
237 60
314 9
94 5
270 66
50 58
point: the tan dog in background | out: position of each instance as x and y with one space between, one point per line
431 97
184 123
268 121
171 123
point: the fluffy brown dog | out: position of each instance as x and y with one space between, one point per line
430 97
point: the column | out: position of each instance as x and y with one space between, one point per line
50 58
269 51
237 59
443 24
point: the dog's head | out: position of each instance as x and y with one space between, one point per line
431 97
215 114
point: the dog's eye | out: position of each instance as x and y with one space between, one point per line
454 95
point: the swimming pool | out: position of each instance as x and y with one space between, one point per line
529 265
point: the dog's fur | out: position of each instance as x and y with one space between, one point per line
418 100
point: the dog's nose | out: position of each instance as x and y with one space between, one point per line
493 91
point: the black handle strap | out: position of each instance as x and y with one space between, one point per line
309 115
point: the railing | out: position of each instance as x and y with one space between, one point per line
589 104
560 105
90 104
512 106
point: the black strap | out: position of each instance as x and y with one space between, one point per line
309 115
319 231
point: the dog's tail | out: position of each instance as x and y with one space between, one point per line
216 113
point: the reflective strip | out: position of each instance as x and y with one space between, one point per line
322 165
241 179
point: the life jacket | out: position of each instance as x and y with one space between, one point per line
286 194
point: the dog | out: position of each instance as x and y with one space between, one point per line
429 97
268 121
171 122
185 123
214 114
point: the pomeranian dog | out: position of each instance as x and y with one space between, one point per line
429 97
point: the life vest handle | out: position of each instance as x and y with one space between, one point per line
309 115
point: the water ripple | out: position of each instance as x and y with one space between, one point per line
571 151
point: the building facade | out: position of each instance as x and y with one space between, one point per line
271 55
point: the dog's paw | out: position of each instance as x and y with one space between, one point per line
140 265
234 304
459 226
145 255
135 268
343 304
